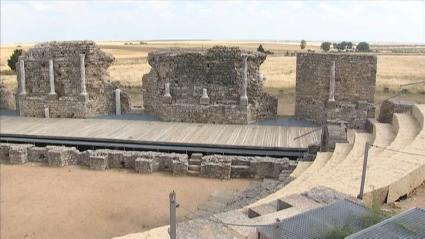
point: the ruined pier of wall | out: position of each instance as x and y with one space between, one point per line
217 85
213 166
336 88
67 80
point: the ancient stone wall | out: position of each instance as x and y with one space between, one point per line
7 99
69 79
213 166
218 85
335 87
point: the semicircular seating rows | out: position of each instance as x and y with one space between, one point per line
395 167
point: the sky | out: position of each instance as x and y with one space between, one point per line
372 21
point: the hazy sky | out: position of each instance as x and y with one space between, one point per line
35 21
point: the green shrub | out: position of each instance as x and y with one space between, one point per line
325 46
14 58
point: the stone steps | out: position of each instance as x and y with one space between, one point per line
193 173
193 167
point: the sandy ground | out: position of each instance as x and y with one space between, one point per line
72 202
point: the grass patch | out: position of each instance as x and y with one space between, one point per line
339 232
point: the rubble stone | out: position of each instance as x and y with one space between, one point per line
355 79
4 152
59 156
98 162
7 98
218 70
68 100
37 154
391 106
213 166
18 153
146 165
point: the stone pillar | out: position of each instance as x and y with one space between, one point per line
332 83
46 113
83 75
22 76
51 78
118 102
244 97
166 98
205 100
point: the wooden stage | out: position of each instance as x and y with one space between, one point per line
259 136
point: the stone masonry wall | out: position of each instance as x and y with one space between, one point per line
214 166
355 78
7 99
219 70
67 100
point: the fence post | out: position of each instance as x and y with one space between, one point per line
277 230
366 152
173 231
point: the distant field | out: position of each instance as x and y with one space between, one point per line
396 64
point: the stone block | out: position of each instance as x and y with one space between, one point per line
58 156
37 154
4 152
146 165
116 159
98 162
18 153
215 167
180 166
268 167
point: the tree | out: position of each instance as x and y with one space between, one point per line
14 58
303 44
261 49
325 46
363 47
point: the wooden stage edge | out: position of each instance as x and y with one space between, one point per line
259 136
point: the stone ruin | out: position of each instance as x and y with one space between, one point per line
218 85
7 98
67 80
336 88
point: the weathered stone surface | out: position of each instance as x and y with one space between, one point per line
58 156
333 133
18 153
146 165
218 70
68 101
355 79
37 154
391 106
214 166
7 98
268 167
98 162
4 152
180 166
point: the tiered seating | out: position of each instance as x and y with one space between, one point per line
390 174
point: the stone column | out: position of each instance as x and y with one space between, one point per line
51 78
244 97
46 113
332 83
22 76
83 75
166 98
118 102
205 99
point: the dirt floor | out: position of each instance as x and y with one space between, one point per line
72 202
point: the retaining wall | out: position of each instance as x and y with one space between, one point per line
214 166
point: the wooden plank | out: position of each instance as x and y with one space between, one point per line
246 135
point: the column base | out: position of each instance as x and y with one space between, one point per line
84 97
167 99
331 104
204 101
52 96
243 101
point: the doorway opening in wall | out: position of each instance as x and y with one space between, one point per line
136 96
279 73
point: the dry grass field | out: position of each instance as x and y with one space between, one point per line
394 68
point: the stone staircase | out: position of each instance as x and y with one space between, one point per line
195 161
